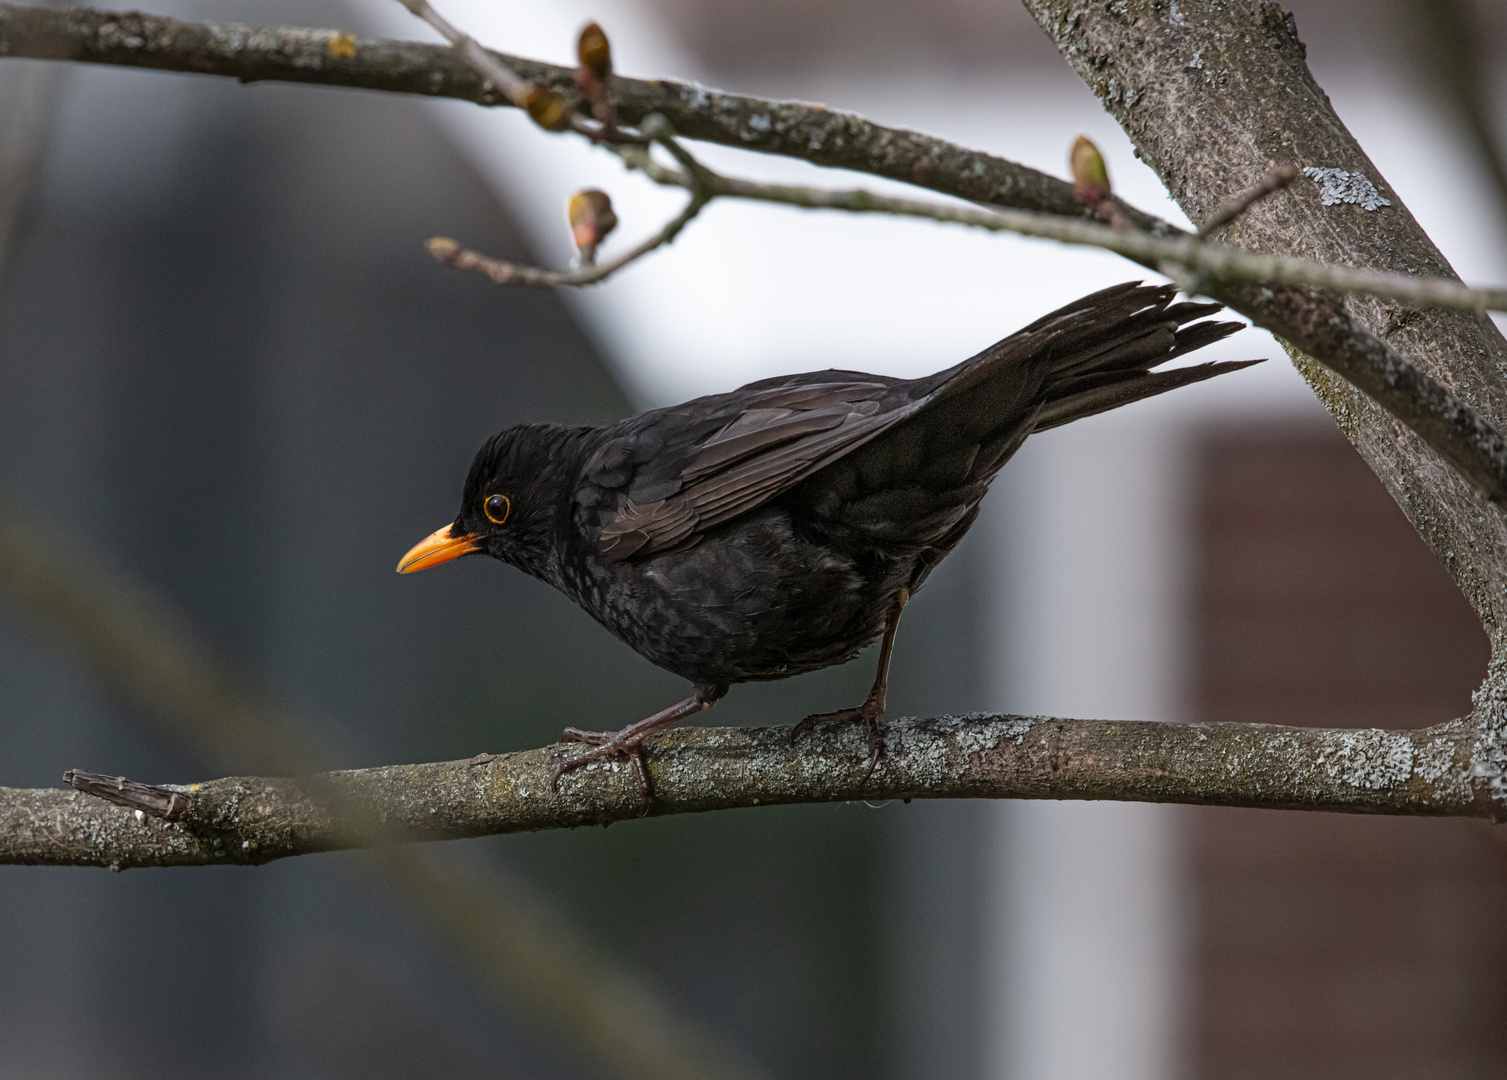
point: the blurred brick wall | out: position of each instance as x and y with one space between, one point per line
1326 945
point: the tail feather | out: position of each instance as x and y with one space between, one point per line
1200 334
1097 353
1109 360
1122 391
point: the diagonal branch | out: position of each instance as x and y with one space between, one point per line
254 820
1255 100
330 58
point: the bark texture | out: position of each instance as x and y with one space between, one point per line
254 820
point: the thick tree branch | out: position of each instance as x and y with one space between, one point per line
1316 324
251 820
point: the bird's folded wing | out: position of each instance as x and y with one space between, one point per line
757 446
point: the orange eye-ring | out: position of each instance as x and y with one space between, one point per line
497 508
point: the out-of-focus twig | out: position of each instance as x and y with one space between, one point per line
473 54
146 653
120 632
1448 46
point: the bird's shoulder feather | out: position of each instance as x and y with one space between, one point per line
660 479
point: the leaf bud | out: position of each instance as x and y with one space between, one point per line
591 220
595 52
547 108
1090 177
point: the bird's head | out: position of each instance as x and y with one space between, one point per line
511 502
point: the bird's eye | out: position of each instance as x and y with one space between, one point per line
496 508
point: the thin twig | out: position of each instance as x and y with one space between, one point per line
700 181
1276 178
516 91
473 54
1213 260
451 253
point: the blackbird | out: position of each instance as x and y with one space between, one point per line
782 527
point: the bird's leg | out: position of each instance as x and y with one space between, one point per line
630 739
873 706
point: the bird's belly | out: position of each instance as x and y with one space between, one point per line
759 603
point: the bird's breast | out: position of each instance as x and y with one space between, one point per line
752 600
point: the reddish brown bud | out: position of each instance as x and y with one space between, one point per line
591 220
1090 177
547 108
595 52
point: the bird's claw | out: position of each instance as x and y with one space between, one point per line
603 745
868 714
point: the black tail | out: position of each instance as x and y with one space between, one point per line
1105 345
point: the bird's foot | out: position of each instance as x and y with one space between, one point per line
630 740
867 714
604 744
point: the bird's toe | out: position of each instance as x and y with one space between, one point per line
603 745
841 716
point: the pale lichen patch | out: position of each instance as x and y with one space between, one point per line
1370 759
1340 186
1434 763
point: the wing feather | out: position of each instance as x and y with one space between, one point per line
780 435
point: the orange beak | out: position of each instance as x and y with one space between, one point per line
438 547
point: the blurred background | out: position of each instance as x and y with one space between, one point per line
229 371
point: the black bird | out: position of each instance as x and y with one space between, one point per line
782 527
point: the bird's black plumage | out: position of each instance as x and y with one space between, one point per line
779 528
